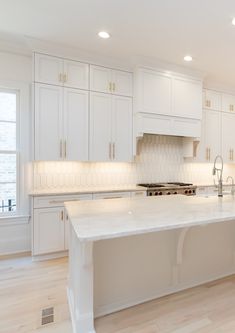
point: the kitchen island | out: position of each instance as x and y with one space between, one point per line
127 220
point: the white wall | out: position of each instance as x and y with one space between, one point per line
16 70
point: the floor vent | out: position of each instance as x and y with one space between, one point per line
47 316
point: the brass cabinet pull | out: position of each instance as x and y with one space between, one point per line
110 86
113 197
65 149
67 218
60 77
62 215
61 149
209 103
114 150
65 78
54 202
209 154
114 86
110 150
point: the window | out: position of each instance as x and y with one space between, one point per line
8 151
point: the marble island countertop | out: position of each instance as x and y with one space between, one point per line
114 218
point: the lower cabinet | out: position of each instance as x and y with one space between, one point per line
48 230
50 221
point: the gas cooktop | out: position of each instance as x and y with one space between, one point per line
169 188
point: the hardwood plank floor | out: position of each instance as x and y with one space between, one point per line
27 287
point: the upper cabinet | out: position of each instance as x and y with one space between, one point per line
187 98
212 100
110 128
61 123
166 94
228 103
153 94
110 81
61 72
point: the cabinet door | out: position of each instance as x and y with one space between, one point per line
187 98
48 122
100 127
76 74
122 83
75 124
48 230
228 103
100 79
122 129
155 92
48 69
212 135
228 137
212 100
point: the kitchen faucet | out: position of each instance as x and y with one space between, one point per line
219 172
232 189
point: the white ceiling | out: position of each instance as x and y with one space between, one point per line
165 29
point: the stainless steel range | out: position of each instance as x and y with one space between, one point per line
169 188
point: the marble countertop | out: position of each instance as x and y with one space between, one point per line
87 190
114 218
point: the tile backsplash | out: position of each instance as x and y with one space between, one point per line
159 159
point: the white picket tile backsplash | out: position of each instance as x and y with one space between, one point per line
159 159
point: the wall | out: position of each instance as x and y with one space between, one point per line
160 158
16 70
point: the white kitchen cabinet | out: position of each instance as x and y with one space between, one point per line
153 92
76 74
48 122
210 141
50 223
75 121
110 128
228 103
212 100
61 123
187 98
122 129
48 230
62 72
110 81
100 127
228 137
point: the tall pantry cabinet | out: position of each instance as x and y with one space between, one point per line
82 112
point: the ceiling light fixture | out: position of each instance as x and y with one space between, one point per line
188 58
103 34
233 21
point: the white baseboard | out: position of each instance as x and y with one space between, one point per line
50 256
114 307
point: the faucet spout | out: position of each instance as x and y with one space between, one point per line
219 171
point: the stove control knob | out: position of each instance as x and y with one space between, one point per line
156 193
160 193
150 193
186 191
175 193
189 191
168 193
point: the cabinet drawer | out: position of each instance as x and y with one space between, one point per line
111 195
58 200
138 194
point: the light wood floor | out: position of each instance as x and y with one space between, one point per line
26 288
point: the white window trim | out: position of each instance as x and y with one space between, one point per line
21 215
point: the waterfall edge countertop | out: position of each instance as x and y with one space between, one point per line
114 218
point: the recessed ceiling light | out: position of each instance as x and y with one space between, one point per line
188 58
233 21
103 34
